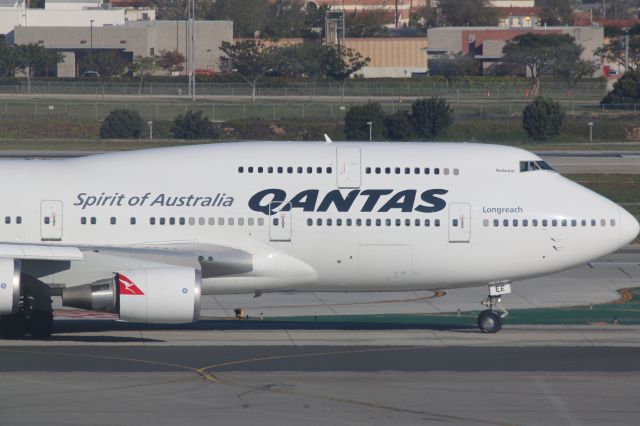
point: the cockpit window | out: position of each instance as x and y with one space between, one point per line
529 166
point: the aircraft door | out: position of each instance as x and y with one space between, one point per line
51 220
280 222
459 223
348 161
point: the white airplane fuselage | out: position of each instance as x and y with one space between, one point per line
313 216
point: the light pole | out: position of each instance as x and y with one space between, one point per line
91 36
590 131
370 124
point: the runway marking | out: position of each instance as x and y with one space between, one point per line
202 374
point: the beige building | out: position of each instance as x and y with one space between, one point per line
145 38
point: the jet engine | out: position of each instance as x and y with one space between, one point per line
148 295
9 286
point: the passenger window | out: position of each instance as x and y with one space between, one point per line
387 222
47 220
397 170
172 221
564 222
319 222
427 222
496 222
240 169
485 222
192 221
407 170
93 220
7 220
182 221
19 220
515 222
270 169
416 170
300 170
456 172
545 222
593 222
554 222
583 222
603 222
275 221
349 222
221 221
534 222
574 222
426 170
260 221
398 222
446 172
436 171
319 170
525 222
368 170
378 222
280 169
230 221
113 220
250 221
250 169
436 222
612 222
162 221
368 222
358 222
201 221
387 170
83 220
329 170
152 221
289 170
309 170
505 222
132 221
338 222
454 222
309 222
417 222
407 222
240 221
329 222
260 169
378 170
212 221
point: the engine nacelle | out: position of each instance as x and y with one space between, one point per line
148 295
9 285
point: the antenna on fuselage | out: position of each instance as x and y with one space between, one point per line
327 139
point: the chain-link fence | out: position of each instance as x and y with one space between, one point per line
460 91
218 112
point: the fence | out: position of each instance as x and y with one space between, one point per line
57 109
409 88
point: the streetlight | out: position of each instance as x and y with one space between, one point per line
91 36
150 123
370 124
590 124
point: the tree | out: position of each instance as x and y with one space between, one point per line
542 119
143 66
614 51
251 59
31 59
468 12
357 117
122 124
398 127
340 63
193 125
170 61
249 17
454 67
625 91
574 71
425 17
539 53
313 26
556 12
431 117
367 23
285 18
106 63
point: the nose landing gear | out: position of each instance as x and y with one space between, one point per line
490 320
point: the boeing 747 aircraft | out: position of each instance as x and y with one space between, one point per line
144 234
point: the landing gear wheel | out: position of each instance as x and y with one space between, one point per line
41 324
489 321
13 326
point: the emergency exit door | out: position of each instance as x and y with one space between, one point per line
348 160
280 222
51 220
459 223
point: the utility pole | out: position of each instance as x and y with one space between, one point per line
191 49
626 52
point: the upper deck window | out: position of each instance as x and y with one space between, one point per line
528 166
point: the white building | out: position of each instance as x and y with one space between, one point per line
67 13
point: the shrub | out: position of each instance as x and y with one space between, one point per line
542 119
122 124
355 122
431 117
625 91
194 125
397 127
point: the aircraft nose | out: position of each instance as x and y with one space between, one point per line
629 227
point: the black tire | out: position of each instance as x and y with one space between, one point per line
13 326
489 321
41 324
